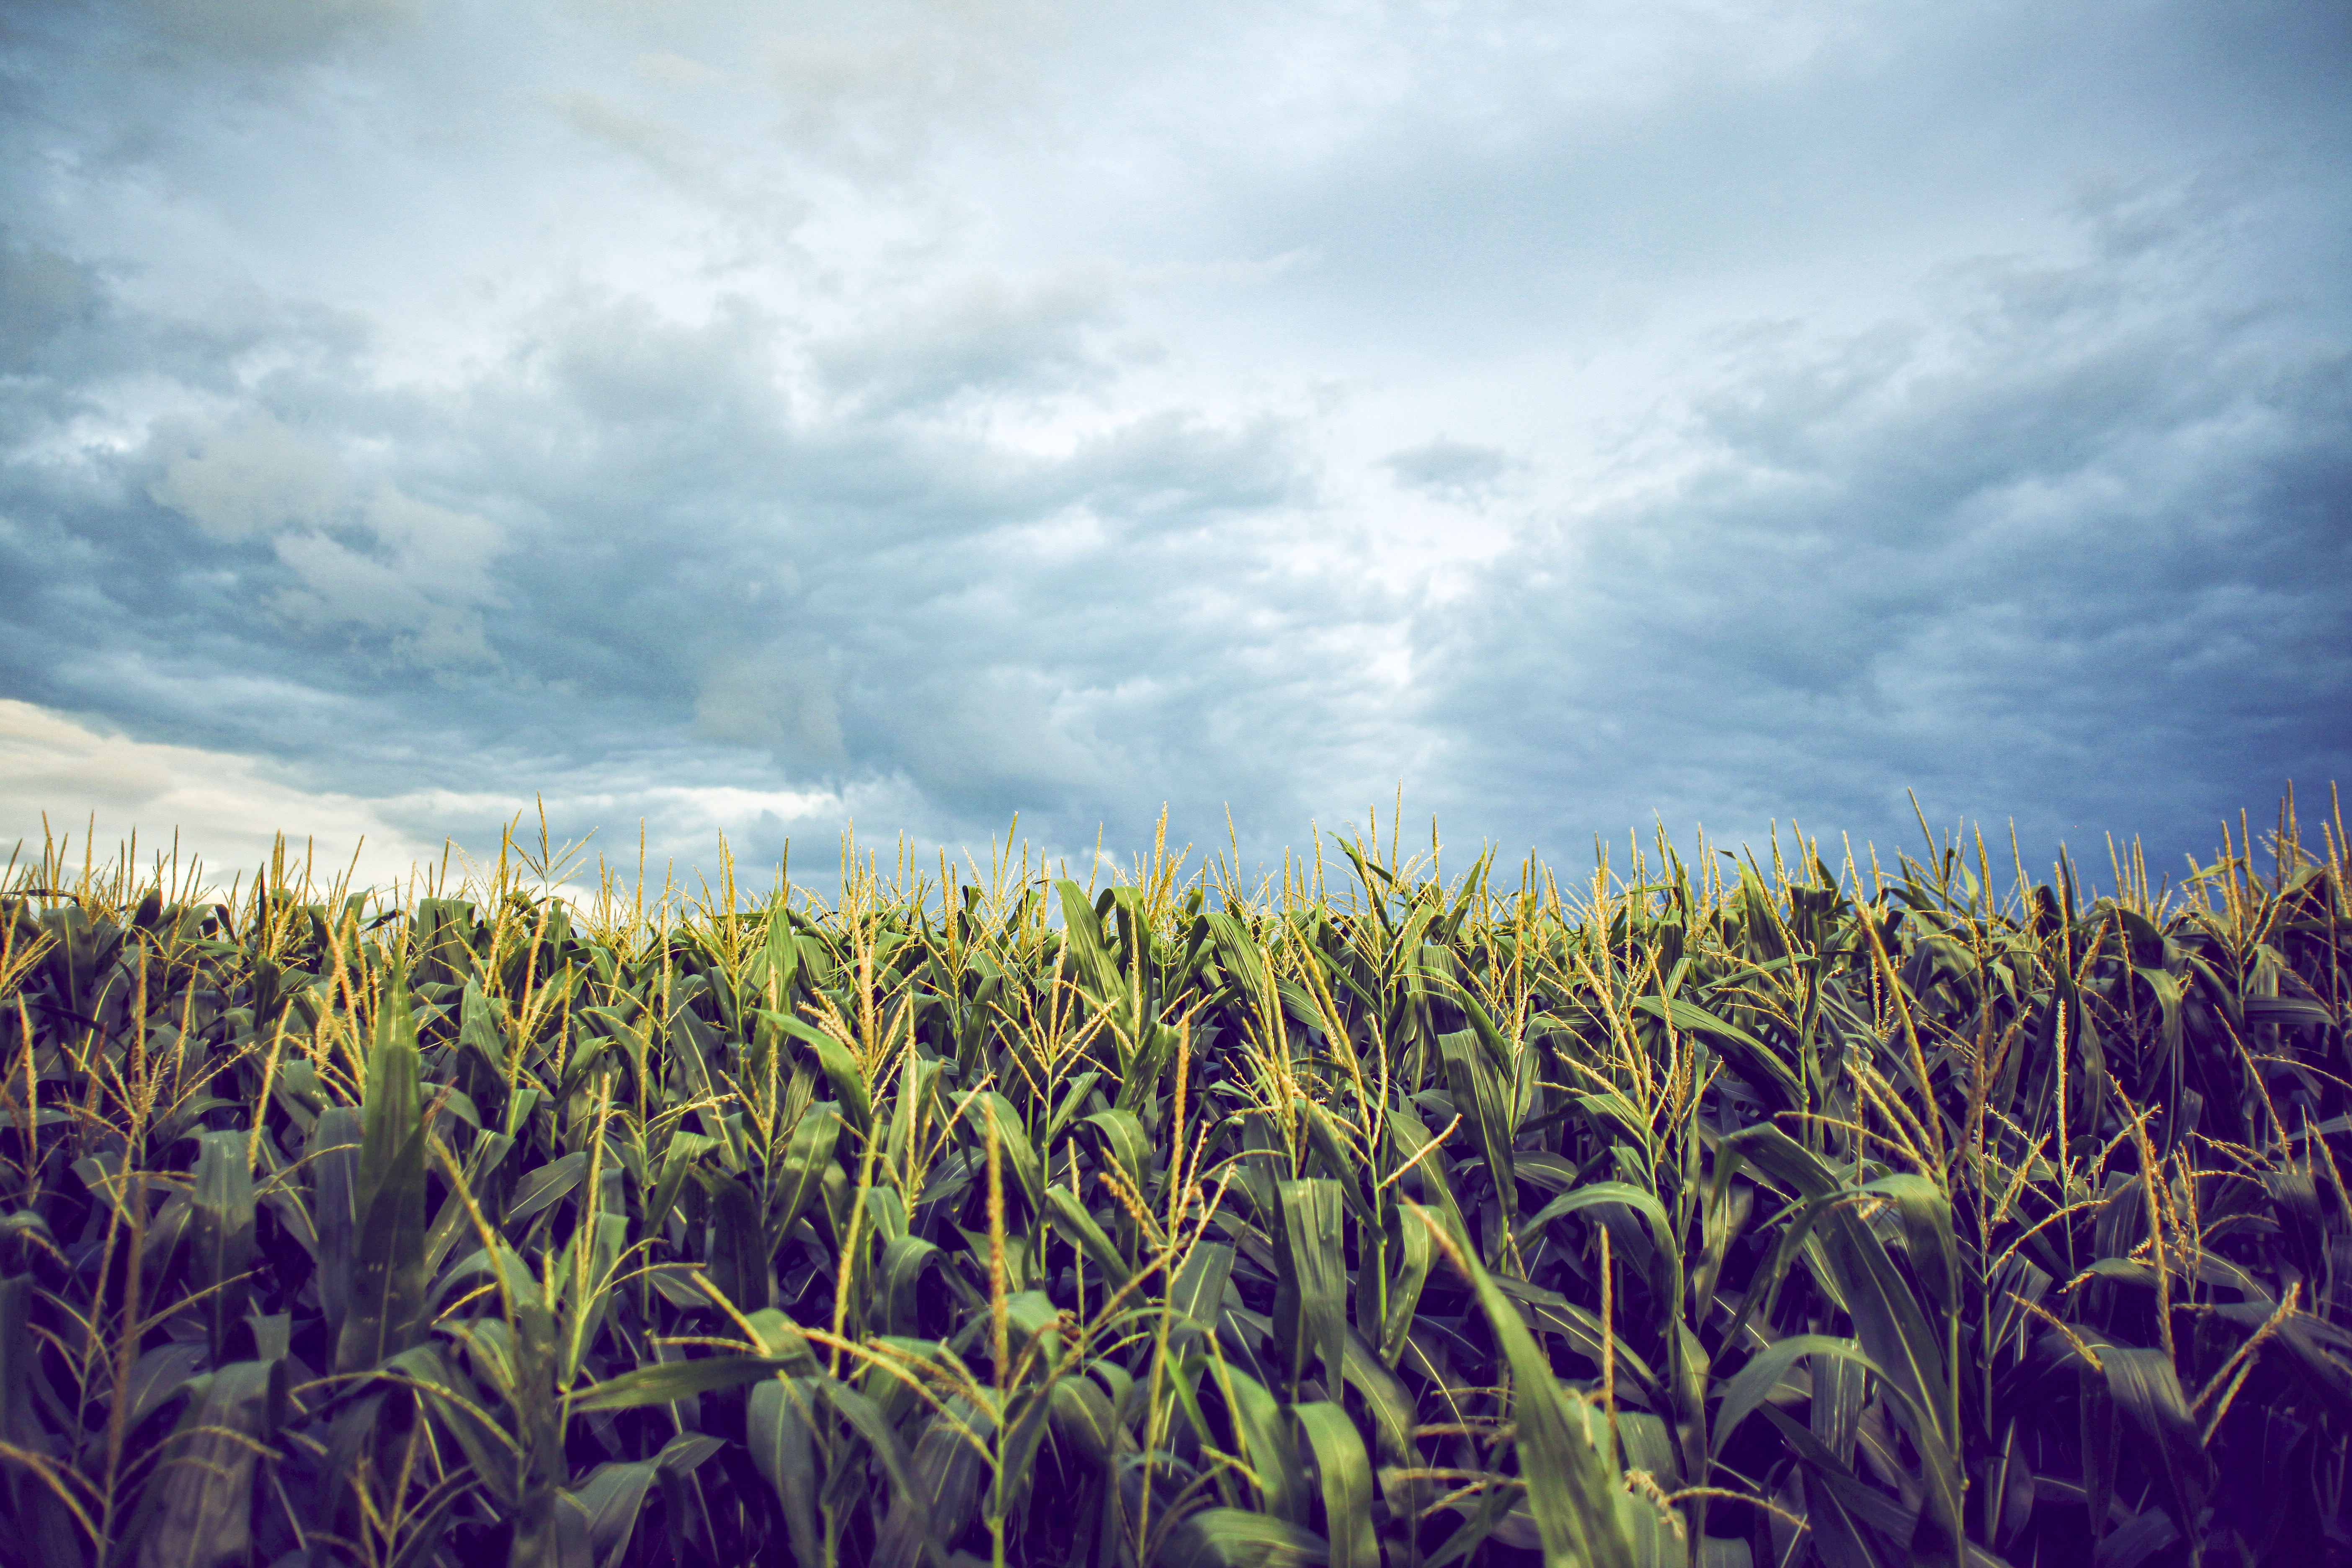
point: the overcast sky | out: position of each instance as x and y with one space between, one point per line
743 417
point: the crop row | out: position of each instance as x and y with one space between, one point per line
1724 1212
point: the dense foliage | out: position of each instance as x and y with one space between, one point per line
1710 1212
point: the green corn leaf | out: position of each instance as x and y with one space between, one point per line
202 1488
1272 1455
1346 1473
883 1443
989 1107
1569 1490
2008 1495
1764 1371
1906 1355
1856 1525
1241 957
1097 971
798 1177
1905 1352
782 953
1198 1293
904 1262
1724 1552
661 1382
1480 1090
425 1520
332 1155
1409 1138
1581 1327
220 1232
387 1263
1839 1387
840 1068
1586 1196
1613 1115
452 1224
1083 1419
1655 1530
544 1188
2165 988
1142 1068
1758 1064
739 1251
1324 1137
2287 1012
1236 1538
18 1365
1482 1516
612 1494
157 1378
1311 1300
1413 1249
1928 1222
1385 1397
1120 1140
777 1431
494 1455
2145 1387
1653 1253
478 1030
1074 1095
1373 1274
1647 1444
945 1474
1032 1411
1072 1216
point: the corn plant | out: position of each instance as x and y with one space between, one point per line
1722 1210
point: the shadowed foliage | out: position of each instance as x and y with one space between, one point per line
1718 1211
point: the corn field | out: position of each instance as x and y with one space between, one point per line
1730 1210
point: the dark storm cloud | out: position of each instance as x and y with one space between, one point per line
2075 553
751 421
42 294
659 554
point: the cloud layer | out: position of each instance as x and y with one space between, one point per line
749 420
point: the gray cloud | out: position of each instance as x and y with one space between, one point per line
253 479
688 557
2073 554
42 293
977 335
780 698
1452 470
931 437
271 31
380 562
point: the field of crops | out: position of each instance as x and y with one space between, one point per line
1713 1209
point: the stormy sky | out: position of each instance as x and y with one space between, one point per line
743 418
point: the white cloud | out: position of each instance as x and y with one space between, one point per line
223 808
677 71
877 101
662 146
418 573
982 333
424 583
256 478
